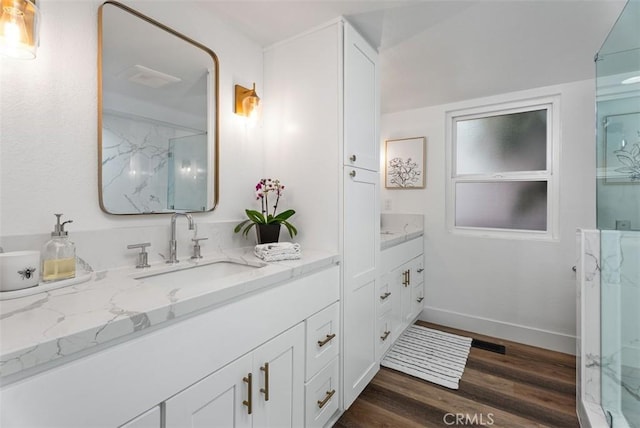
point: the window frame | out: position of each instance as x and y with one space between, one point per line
551 104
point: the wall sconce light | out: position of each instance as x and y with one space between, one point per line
247 102
19 21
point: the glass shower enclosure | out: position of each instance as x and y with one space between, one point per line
618 216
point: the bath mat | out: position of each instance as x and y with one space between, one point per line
428 354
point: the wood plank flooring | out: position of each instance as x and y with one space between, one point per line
525 387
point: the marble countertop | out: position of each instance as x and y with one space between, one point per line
44 327
396 228
390 239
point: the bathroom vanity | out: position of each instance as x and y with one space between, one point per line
119 351
400 296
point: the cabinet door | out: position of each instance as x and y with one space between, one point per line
278 367
361 102
361 255
149 419
217 400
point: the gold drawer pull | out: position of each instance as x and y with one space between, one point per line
420 299
249 401
322 403
385 295
385 335
265 390
420 270
321 343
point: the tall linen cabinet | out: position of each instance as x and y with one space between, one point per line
321 118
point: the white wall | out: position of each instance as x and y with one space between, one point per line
48 120
515 289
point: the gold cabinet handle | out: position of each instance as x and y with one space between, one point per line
385 295
326 340
420 270
385 335
265 390
408 276
352 158
420 299
322 403
249 401
405 280
352 174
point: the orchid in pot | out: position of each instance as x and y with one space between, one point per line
267 222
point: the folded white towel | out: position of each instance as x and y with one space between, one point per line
278 251
278 257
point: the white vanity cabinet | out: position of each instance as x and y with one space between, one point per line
191 372
336 133
404 267
322 381
361 214
261 389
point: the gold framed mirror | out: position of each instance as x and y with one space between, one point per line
157 116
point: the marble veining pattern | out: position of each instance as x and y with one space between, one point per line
135 163
42 328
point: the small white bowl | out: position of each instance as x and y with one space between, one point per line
19 269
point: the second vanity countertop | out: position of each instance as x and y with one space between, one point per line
43 327
396 228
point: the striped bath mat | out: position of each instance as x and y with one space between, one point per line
429 354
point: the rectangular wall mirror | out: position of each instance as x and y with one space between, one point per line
157 118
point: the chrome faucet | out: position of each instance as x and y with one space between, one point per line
173 244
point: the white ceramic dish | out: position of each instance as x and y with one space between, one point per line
19 270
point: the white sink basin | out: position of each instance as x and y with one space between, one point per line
183 274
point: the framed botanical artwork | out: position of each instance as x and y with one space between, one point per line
622 148
405 163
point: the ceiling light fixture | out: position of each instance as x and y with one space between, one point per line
19 21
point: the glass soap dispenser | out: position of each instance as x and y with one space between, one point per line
58 255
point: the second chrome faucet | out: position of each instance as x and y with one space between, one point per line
173 243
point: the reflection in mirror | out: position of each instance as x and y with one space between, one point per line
158 117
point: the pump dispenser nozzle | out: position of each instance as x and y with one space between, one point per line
59 227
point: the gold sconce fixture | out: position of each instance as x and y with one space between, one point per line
19 21
247 102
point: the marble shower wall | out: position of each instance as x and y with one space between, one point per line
135 163
588 385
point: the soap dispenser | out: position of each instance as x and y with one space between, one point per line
58 255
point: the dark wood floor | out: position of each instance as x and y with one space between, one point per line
525 387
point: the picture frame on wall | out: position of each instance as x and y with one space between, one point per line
405 163
622 148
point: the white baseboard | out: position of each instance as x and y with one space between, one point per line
508 331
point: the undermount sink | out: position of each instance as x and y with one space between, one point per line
190 273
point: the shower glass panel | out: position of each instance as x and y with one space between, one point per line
188 174
618 216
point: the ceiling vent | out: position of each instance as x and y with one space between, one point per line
147 76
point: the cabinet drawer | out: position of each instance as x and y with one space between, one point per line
417 268
417 299
322 331
384 335
321 395
384 296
